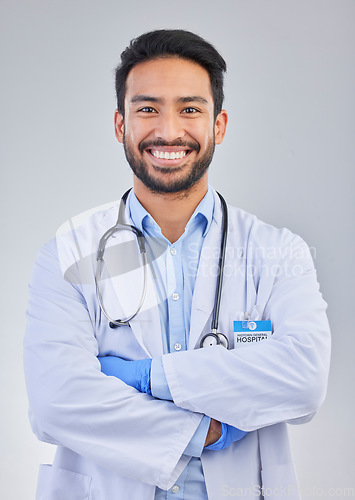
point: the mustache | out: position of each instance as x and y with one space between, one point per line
194 146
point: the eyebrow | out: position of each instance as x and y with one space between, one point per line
148 98
145 98
193 98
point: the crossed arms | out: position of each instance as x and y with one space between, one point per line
75 405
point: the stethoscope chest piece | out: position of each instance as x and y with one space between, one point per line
212 339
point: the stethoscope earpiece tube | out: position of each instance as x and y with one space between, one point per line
119 226
216 338
222 258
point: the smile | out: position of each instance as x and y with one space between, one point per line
169 155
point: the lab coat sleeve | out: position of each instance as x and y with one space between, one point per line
74 405
281 379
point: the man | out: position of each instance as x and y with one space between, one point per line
140 411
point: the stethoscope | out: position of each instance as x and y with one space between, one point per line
212 338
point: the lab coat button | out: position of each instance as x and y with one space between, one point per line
175 296
175 488
177 347
173 251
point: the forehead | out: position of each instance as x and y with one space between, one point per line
171 77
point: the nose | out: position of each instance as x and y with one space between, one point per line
169 126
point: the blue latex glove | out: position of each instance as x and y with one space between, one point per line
133 373
229 435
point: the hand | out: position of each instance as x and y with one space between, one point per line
133 373
214 432
228 436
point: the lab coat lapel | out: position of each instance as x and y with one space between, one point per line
146 325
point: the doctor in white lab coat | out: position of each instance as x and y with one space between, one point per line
116 442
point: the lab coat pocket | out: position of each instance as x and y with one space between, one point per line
233 316
61 484
257 312
280 481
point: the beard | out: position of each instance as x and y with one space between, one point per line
168 181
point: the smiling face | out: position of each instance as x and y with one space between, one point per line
169 131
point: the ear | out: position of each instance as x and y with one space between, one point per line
220 126
119 126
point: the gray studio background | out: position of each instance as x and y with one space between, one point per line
288 157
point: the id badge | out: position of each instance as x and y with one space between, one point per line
251 332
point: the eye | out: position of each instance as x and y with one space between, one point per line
147 109
190 110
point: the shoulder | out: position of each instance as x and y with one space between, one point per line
76 240
251 226
91 221
247 231
264 240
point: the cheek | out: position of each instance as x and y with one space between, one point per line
199 133
205 131
136 132
206 137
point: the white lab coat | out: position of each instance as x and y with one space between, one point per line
114 442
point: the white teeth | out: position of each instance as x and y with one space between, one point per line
165 155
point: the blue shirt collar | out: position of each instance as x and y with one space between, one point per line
203 212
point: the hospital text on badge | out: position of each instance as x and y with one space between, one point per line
247 332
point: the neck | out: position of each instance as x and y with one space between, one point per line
171 211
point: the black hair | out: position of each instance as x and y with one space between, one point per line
172 43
